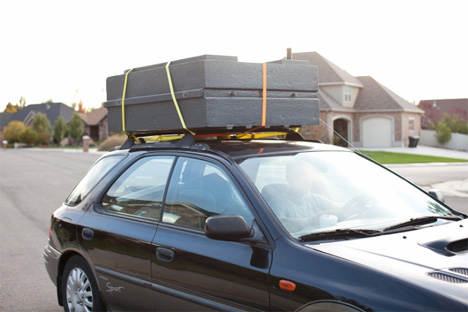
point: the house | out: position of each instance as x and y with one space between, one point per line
359 110
435 110
95 123
27 114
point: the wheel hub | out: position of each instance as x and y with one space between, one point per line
79 292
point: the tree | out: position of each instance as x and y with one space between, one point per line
456 123
28 136
22 102
75 127
12 130
10 108
59 129
41 122
41 125
443 133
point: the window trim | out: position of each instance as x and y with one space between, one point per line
347 94
411 124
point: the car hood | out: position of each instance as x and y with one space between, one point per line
434 258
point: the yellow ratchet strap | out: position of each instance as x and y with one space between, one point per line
163 138
264 93
174 98
123 99
247 136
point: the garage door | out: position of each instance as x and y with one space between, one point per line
377 132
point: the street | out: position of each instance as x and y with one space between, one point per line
33 183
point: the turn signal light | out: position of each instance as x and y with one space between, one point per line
287 285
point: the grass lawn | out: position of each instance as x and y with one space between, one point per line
400 158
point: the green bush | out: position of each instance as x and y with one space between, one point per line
59 129
75 128
41 125
12 131
112 141
28 136
454 122
43 137
443 133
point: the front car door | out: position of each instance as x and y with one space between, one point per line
117 234
191 271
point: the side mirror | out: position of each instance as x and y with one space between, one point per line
437 195
227 227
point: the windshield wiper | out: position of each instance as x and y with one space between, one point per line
421 221
339 234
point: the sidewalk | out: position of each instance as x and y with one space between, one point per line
421 150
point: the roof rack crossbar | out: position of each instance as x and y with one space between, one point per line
128 143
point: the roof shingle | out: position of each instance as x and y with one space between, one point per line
328 72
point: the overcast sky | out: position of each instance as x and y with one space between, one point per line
65 50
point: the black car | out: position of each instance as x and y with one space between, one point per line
229 224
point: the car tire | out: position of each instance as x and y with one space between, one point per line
79 288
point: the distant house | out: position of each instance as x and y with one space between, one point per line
95 123
434 110
27 114
360 109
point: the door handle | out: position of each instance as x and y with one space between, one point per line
164 254
87 234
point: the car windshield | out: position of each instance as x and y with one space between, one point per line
313 192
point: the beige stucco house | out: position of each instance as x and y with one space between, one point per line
359 109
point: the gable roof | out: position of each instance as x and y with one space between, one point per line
376 97
329 73
51 110
94 117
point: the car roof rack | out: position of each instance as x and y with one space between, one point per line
162 141
145 140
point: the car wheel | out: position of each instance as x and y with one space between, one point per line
79 289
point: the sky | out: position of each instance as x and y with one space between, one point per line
64 50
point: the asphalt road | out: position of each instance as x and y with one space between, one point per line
33 183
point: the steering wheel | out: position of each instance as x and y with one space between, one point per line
355 207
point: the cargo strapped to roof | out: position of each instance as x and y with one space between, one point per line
209 94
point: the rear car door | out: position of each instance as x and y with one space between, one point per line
192 271
117 234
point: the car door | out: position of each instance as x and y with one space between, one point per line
117 234
192 271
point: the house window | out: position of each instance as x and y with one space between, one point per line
411 124
347 94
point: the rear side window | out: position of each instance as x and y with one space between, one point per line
139 191
91 179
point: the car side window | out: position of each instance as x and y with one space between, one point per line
139 191
92 178
198 190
